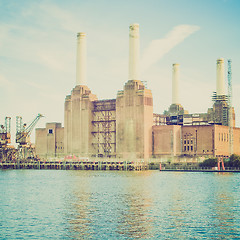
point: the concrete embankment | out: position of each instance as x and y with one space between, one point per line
189 167
202 170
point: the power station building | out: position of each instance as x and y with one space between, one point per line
127 128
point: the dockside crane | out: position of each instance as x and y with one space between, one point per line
25 148
7 152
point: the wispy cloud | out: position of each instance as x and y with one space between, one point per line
39 40
159 47
50 16
4 82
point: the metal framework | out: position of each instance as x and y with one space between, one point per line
104 128
5 136
19 124
8 124
6 152
23 132
220 107
221 98
230 112
159 119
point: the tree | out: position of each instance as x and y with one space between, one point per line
210 162
234 161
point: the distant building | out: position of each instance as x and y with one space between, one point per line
50 140
194 141
127 128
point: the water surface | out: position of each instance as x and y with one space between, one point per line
48 204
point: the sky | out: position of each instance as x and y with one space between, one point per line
38 51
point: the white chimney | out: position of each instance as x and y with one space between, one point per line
220 77
175 83
134 52
81 59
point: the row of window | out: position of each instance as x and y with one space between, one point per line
59 147
223 137
188 141
188 148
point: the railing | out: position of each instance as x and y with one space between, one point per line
200 169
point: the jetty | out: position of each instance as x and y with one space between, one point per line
76 165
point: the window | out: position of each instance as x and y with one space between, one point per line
50 131
191 148
188 148
185 148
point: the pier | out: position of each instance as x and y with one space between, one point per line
76 165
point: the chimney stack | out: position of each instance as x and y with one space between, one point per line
133 52
175 83
220 77
81 59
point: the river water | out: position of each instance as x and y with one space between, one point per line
50 204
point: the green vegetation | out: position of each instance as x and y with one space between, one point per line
234 161
153 166
208 163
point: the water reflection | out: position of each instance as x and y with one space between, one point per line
109 204
79 211
174 212
224 208
136 220
152 205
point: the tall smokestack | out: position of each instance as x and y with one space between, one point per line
175 83
81 59
134 52
220 77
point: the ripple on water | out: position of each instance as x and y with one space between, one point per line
118 205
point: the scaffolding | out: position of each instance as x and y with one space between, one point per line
159 119
104 128
221 98
220 109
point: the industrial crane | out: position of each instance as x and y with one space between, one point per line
25 148
230 109
7 152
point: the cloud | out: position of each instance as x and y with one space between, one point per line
3 33
50 16
65 19
4 82
35 85
41 40
160 47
